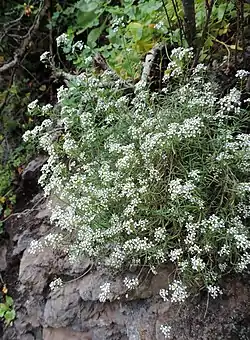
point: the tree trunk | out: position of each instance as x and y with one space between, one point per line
189 20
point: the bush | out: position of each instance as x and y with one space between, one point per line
146 178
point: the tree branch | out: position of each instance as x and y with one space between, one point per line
30 35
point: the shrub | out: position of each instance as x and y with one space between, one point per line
147 178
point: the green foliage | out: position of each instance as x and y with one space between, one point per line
7 311
131 29
17 86
9 172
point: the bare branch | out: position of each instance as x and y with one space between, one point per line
149 62
209 8
23 48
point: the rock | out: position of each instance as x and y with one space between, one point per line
29 180
23 242
28 336
74 312
3 262
32 170
64 334
34 306
35 269
24 239
63 306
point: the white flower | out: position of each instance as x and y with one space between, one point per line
27 136
214 291
57 283
194 175
105 292
164 294
47 108
180 53
77 46
62 40
116 23
44 58
199 68
222 267
159 25
175 254
178 291
166 330
197 263
225 250
33 105
160 234
231 102
242 74
61 93
35 246
131 283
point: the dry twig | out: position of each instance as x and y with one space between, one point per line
20 53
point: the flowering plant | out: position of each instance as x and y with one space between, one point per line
150 177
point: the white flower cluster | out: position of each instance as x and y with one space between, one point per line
197 264
180 190
116 23
61 93
45 57
131 283
47 109
32 134
175 254
55 284
33 105
105 292
231 102
181 53
159 25
236 149
53 240
190 127
196 93
79 45
244 262
176 292
166 330
62 40
214 291
242 74
200 68
35 247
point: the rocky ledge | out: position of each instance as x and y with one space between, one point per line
74 312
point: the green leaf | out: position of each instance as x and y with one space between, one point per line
95 34
86 6
86 20
9 316
9 301
221 11
7 212
3 309
136 29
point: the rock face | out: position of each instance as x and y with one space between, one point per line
74 312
